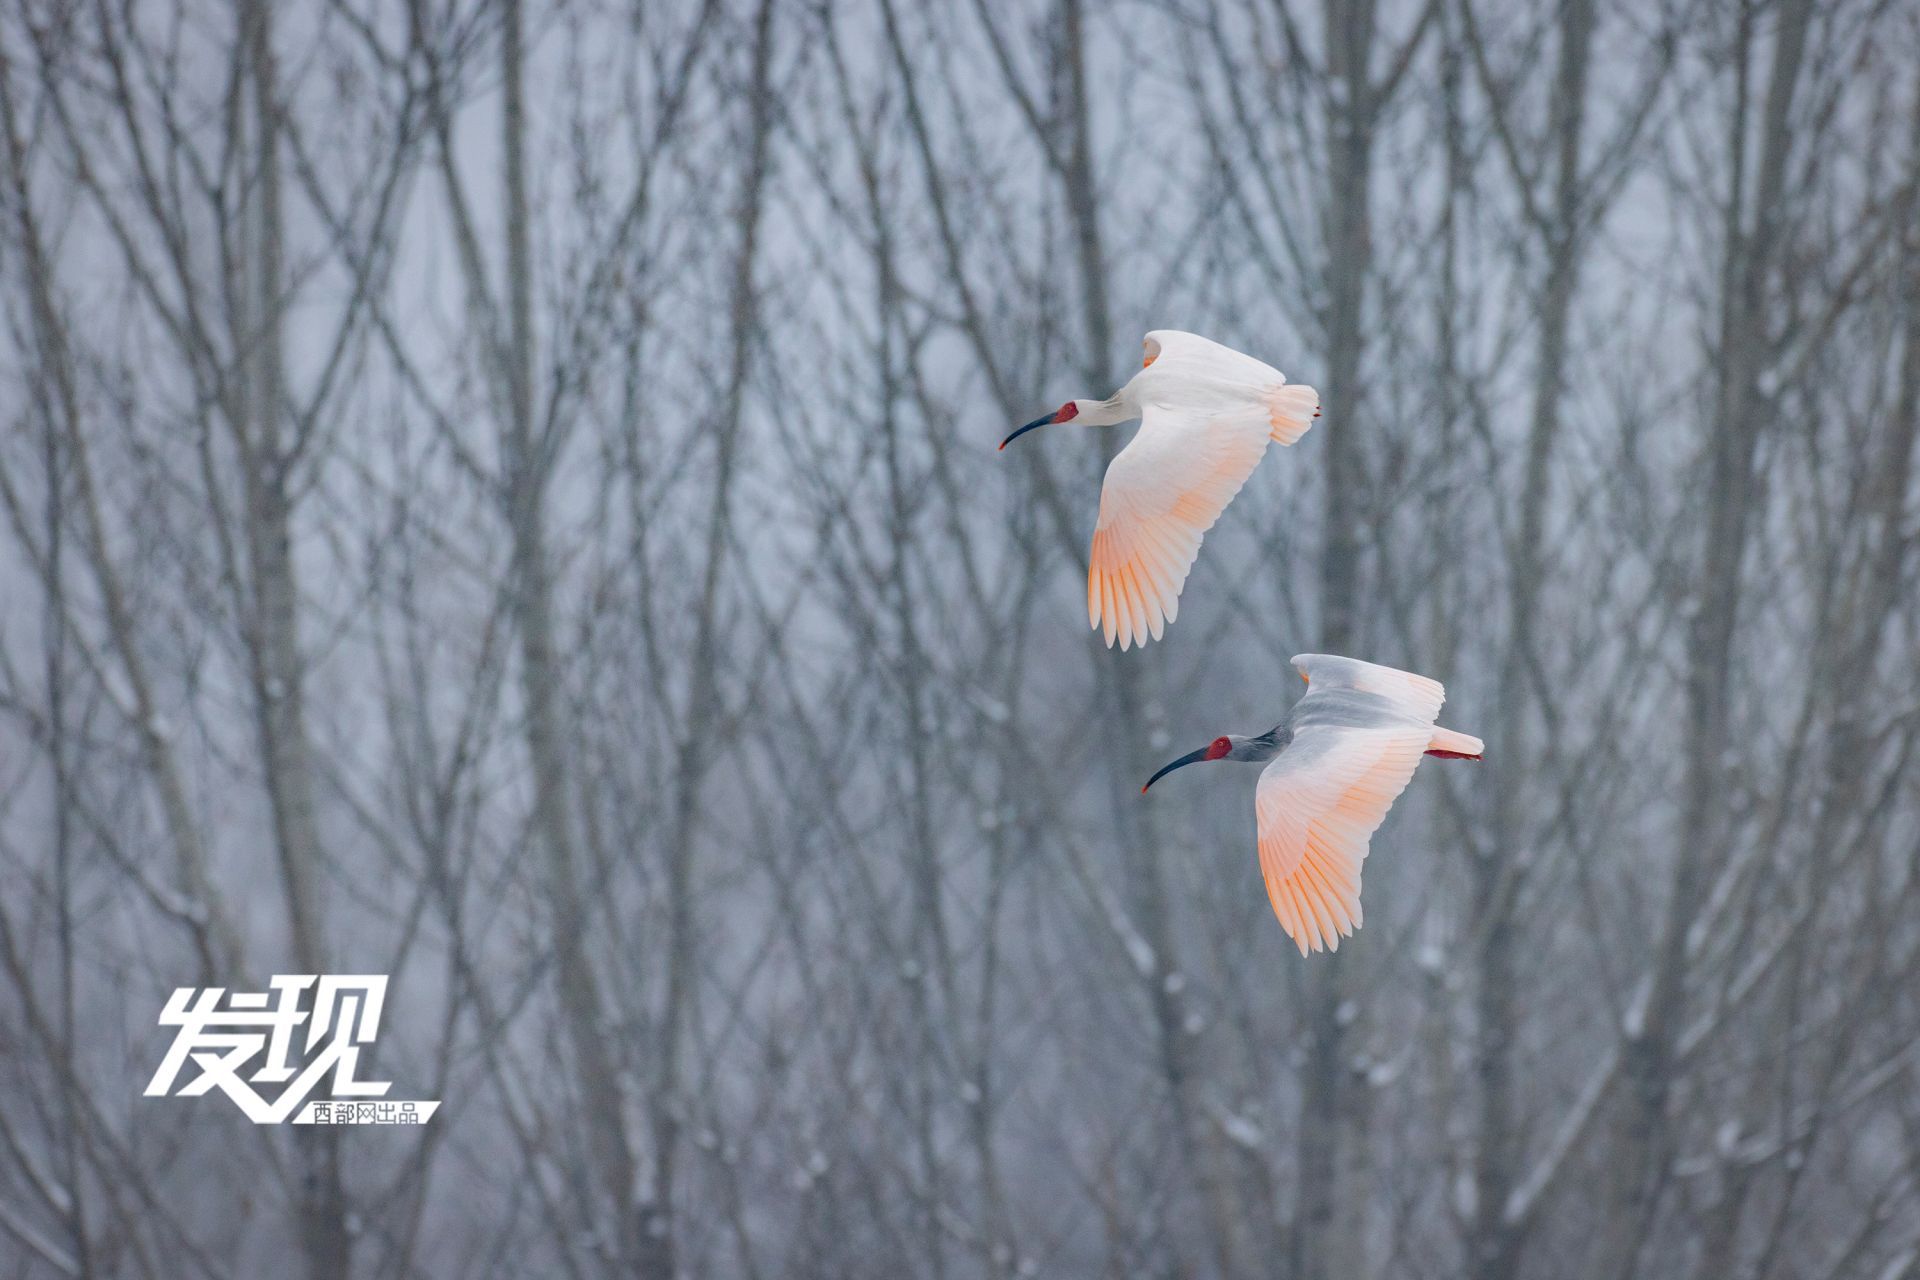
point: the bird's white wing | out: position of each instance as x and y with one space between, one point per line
1318 804
1162 493
1358 736
1191 370
1414 695
1189 351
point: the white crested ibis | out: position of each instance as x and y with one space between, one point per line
1335 766
1206 415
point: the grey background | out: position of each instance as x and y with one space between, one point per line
505 495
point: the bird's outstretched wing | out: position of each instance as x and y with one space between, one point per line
1410 694
1199 372
1189 353
1162 493
1358 735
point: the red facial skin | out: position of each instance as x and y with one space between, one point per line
1067 412
1218 748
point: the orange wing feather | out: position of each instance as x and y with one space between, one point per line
1317 813
1162 493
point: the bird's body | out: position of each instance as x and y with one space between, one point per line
1335 765
1207 414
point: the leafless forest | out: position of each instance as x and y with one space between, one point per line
503 494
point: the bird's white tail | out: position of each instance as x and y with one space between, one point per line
1291 410
1449 745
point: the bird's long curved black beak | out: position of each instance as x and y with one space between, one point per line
1040 421
1192 757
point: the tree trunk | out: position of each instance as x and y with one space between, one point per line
1739 414
528 463
277 665
1330 1229
1498 873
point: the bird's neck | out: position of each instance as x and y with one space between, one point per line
1119 407
1269 744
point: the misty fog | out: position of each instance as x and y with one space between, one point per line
503 494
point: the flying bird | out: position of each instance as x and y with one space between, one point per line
1206 415
1335 765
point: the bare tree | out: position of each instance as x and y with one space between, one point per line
502 494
